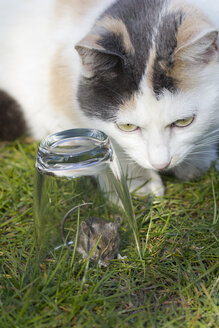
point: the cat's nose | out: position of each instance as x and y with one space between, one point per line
160 166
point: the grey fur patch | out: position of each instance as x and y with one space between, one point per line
12 123
113 84
165 45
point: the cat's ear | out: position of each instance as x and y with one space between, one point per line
198 46
95 58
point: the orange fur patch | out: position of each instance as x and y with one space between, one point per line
62 94
186 73
195 21
119 29
182 72
129 104
90 41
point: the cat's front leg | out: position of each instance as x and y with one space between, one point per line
196 164
142 182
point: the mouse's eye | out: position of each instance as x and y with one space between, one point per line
98 247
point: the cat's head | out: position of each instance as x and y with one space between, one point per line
150 79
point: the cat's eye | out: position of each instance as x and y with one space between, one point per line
184 122
127 127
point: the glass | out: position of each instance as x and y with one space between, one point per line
78 175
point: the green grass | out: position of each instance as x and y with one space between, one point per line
175 285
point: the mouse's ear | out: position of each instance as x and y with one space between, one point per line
118 221
115 225
85 228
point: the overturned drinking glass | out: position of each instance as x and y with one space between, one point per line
78 177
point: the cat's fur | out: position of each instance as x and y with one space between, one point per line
98 63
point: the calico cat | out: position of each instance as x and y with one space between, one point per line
145 72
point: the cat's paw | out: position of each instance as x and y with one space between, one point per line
150 184
156 188
120 257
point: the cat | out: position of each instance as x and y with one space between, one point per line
145 72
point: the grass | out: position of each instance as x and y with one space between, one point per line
175 285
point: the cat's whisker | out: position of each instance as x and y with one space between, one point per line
201 153
203 147
212 132
213 137
188 163
205 143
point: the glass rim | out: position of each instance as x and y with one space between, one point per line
73 152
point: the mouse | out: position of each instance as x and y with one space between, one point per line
100 238
97 238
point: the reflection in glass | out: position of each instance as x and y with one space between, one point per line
75 167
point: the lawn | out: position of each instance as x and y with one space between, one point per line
176 284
